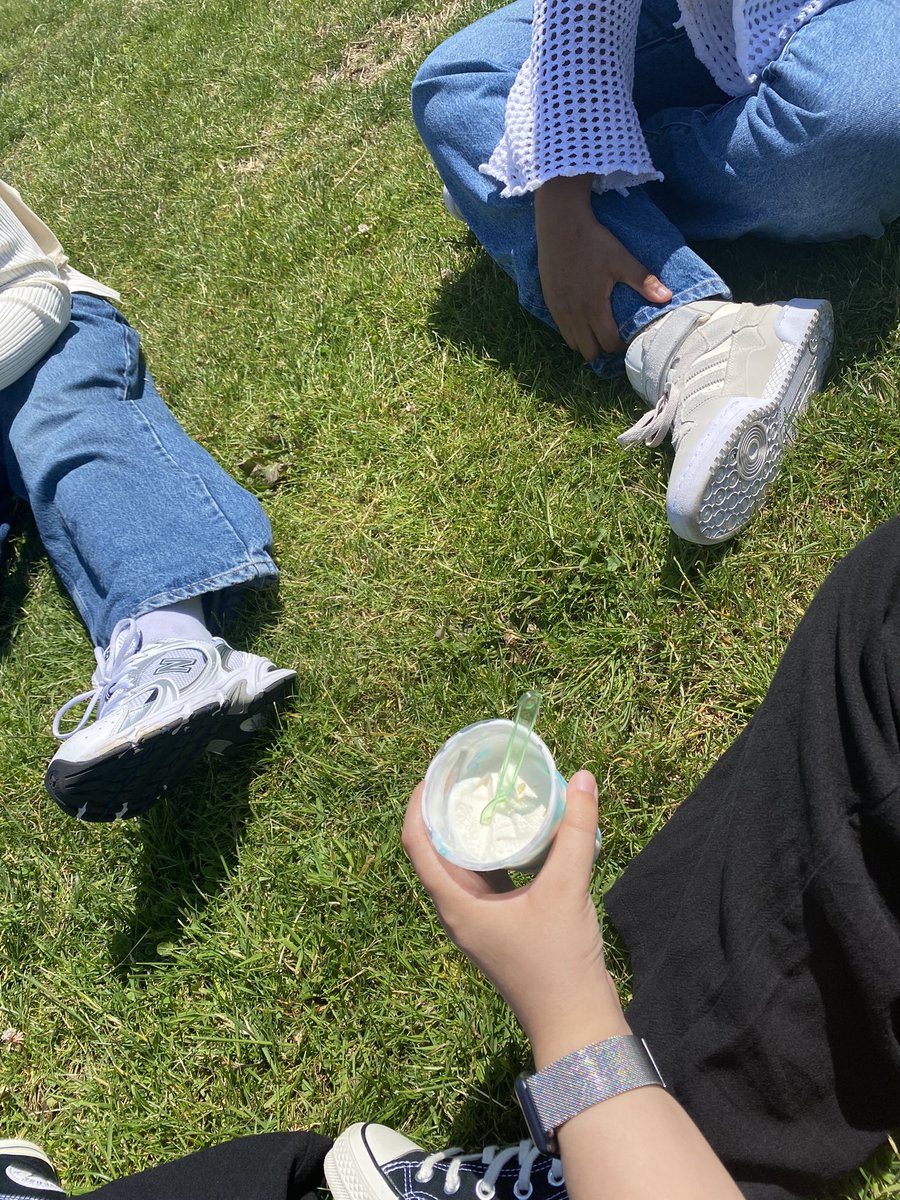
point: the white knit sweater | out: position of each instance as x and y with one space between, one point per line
570 110
36 283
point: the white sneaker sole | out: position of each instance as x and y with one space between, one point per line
13 1146
727 477
350 1172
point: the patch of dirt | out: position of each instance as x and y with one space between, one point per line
363 61
249 166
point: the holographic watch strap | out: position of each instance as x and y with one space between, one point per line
588 1076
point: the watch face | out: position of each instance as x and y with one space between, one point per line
543 1138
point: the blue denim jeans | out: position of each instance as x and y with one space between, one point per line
133 514
811 156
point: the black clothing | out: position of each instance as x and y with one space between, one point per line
763 921
264 1166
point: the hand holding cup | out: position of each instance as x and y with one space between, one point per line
540 944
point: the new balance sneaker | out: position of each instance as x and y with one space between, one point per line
729 381
157 708
26 1173
372 1162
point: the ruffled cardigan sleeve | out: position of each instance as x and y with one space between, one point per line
570 110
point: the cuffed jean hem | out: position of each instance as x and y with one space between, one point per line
611 366
607 366
217 592
712 287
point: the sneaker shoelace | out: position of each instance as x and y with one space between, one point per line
653 426
665 353
495 1160
109 683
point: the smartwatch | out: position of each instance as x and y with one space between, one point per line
580 1080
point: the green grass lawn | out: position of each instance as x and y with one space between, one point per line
454 522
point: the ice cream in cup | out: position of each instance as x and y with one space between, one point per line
473 826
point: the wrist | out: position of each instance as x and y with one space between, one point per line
551 1045
570 1022
572 186
567 197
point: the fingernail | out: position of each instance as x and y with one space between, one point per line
583 781
660 289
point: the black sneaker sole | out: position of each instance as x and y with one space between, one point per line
128 781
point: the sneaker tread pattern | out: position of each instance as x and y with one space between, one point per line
731 497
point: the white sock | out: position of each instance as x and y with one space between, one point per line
182 622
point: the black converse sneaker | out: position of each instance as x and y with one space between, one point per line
157 708
372 1162
26 1173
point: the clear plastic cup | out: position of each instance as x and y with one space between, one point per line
457 788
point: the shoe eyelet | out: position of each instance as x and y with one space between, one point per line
423 1176
483 1191
555 1180
522 1193
451 1191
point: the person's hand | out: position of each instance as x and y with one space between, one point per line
580 262
540 945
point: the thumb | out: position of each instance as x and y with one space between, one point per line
644 282
571 857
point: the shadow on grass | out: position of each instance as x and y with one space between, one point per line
489 1113
186 847
859 277
477 310
687 563
21 554
189 843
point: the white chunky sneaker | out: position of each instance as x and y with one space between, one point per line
372 1162
157 707
729 381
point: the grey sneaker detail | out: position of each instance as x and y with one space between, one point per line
731 381
157 708
650 354
129 676
653 426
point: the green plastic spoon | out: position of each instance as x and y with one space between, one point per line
526 714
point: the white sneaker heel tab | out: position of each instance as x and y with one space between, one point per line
451 206
653 426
